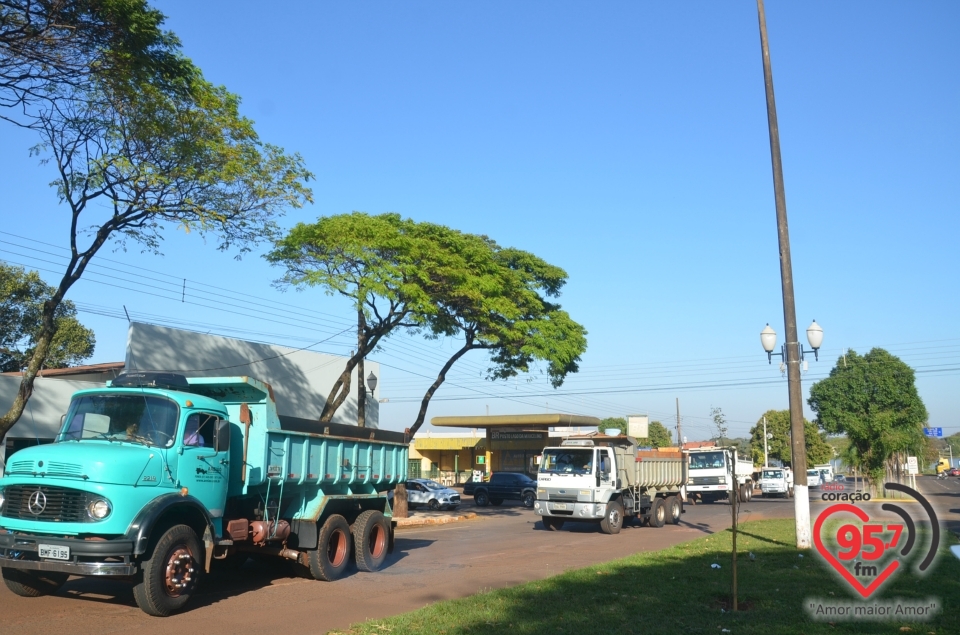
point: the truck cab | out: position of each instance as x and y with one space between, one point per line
713 471
776 481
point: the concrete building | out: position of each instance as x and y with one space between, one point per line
501 443
300 379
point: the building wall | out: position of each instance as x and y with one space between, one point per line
300 379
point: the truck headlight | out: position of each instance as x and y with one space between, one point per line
690 481
99 508
1 500
723 480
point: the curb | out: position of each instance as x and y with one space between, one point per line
409 523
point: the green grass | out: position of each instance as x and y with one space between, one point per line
676 591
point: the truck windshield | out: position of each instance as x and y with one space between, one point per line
145 419
772 474
706 460
563 461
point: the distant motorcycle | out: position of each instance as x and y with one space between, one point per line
942 475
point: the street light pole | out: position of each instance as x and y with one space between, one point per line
765 461
801 499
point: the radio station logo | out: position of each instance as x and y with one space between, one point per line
866 551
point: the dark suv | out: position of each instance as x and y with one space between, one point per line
503 486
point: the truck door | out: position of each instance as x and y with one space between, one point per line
606 470
204 467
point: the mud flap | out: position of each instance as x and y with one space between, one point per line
390 542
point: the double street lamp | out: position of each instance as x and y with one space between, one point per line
768 339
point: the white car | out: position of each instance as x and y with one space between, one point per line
423 491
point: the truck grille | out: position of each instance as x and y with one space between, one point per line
562 498
706 480
60 504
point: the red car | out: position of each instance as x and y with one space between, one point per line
954 471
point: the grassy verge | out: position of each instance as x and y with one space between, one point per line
677 591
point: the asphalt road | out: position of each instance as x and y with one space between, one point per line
504 546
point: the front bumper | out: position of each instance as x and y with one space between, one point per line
570 510
87 557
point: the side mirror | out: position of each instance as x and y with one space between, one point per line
223 435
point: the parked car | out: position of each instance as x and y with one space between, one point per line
504 486
954 471
423 491
840 478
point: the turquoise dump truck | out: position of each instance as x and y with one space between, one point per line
156 476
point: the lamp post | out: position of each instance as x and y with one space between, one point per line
768 339
372 382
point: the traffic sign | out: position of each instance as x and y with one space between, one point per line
912 467
933 432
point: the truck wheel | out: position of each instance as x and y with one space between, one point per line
749 491
33 584
675 508
171 573
371 535
434 504
332 554
552 524
658 513
613 518
481 498
529 498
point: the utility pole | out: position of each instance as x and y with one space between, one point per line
679 432
734 502
801 499
765 462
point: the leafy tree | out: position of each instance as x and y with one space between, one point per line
874 401
720 421
133 159
819 451
660 436
22 294
55 50
377 262
495 298
620 423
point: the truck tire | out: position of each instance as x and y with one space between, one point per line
658 513
749 491
332 554
528 499
371 536
674 509
552 524
170 575
481 498
612 518
33 584
742 494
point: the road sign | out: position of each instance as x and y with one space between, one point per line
933 432
912 465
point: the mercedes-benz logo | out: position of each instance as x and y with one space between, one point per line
37 503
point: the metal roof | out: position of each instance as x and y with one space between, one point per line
516 421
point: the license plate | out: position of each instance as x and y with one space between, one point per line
55 552
560 506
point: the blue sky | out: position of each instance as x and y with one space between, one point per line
625 142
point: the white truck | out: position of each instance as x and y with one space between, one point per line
826 472
711 476
606 479
776 481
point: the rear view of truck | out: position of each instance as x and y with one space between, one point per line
156 477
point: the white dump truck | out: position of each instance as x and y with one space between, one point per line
776 481
711 476
606 479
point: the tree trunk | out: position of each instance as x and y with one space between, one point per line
361 387
47 333
400 507
441 377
